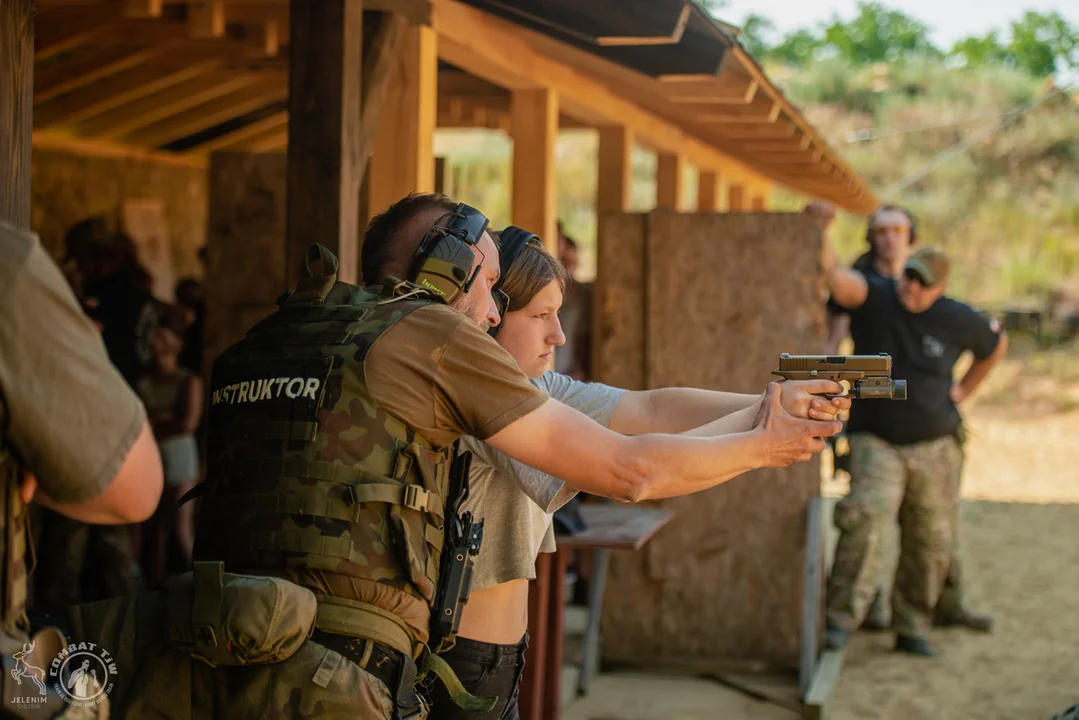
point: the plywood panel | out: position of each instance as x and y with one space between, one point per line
726 294
245 267
618 310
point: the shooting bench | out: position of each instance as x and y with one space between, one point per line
609 527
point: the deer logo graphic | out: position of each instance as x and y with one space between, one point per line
24 669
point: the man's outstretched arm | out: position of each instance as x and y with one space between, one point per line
566 444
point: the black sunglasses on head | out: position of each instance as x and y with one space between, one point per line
912 274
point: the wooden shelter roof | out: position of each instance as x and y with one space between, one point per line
189 77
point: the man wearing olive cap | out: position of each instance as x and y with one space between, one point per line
906 457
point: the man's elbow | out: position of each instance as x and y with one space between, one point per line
634 478
136 490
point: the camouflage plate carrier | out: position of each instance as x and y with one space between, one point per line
307 473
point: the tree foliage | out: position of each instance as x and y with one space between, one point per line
1038 43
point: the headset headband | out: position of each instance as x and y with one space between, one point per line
444 259
511 242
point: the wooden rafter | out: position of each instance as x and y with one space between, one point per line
161 105
105 62
209 113
502 53
113 92
236 139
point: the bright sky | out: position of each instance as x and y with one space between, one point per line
949 19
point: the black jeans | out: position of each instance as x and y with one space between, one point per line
486 670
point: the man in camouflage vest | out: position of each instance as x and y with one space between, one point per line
330 552
73 438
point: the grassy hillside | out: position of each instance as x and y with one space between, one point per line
1008 209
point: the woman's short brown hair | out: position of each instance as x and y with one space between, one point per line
532 270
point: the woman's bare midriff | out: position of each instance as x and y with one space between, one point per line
497 614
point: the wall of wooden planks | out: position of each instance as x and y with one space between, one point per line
67 187
246 250
710 301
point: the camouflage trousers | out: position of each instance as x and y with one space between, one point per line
918 486
315 682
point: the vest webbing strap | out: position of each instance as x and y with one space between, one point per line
314 502
342 616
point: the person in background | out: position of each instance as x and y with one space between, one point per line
575 357
906 457
173 397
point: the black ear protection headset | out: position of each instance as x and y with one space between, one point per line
908 213
443 261
511 242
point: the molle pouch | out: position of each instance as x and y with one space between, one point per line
417 523
227 619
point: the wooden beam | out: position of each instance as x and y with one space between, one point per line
159 106
402 160
208 114
535 133
16 109
144 8
710 192
614 181
416 12
103 63
770 117
206 19
670 181
378 72
113 92
326 73
737 200
503 53
46 140
262 135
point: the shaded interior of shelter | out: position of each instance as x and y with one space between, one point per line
188 84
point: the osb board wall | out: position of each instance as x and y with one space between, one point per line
617 311
66 187
245 267
725 294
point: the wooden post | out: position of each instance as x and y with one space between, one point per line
325 70
534 205
403 160
762 198
737 198
16 109
670 181
615 170
710 195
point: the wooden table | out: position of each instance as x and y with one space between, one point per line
609 527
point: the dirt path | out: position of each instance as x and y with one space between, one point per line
1021 552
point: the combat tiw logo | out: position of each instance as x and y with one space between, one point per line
83 673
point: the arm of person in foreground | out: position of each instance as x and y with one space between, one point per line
681 410
566 444
77 427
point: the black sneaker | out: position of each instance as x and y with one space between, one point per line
966 618
914 645
835 638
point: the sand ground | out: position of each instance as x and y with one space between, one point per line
1020 549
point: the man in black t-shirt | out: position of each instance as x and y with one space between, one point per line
906 457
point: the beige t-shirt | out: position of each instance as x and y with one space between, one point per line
515 501
65 412
443 376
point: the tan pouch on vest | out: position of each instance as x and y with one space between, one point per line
227 619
